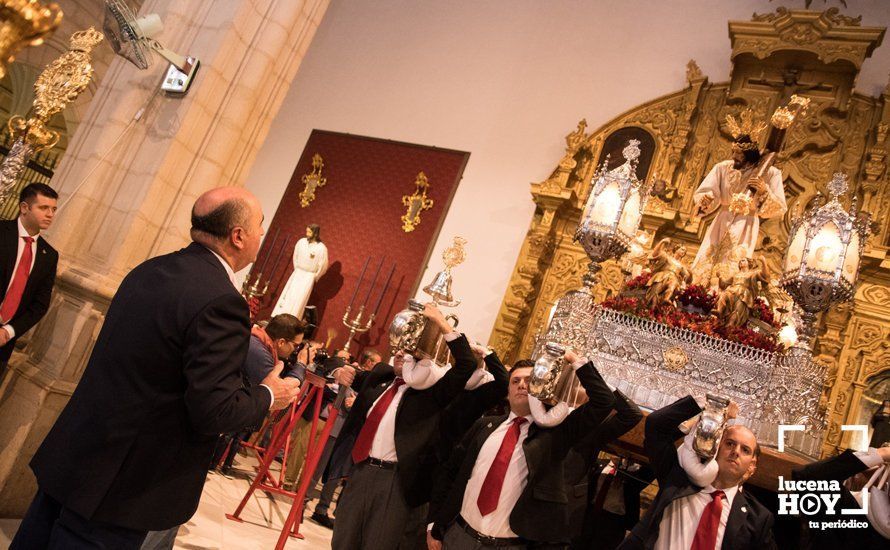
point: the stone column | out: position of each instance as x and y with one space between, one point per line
137 163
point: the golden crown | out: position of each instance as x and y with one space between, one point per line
85 41
745 125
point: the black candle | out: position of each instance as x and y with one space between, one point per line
359 283
271 248
385 288
373 282
278 258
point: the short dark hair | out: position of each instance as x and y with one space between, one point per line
220 221
30 192
522 364
285 326
368 354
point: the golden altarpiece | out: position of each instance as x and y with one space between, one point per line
774 55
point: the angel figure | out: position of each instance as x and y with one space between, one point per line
737 297
669 273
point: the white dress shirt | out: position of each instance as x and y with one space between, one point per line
680 520
18 258
383 447
497 523
231 274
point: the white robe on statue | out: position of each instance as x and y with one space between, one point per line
310 263
728 232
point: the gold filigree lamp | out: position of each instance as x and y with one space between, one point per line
313 180
24 23
58 85
416 203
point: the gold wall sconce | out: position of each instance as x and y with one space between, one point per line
416 203
313 180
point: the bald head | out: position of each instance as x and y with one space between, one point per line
228 220
736 456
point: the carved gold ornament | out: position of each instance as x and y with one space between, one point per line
675 359
745 125
24 23
416 203
313 180
455 254
58 85
784 116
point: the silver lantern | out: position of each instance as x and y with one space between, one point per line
710 427
409 331
607 229
613 210
822 261
546 373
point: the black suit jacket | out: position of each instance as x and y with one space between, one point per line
39 288
133 445
579 464
750 523
837 468
540 513
417 419
469 406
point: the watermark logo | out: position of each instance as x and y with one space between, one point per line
811 497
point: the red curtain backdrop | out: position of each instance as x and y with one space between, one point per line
359 211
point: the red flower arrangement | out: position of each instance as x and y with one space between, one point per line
704 324
698 298
762 311
640 281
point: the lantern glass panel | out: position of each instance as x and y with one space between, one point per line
851 261
825 249
795 250
605 208
630 217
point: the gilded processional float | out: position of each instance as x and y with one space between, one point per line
759 315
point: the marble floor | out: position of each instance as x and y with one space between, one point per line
210 530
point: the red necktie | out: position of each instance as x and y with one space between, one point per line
19 280
706 534
362 448
494 479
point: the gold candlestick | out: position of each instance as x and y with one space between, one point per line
356 325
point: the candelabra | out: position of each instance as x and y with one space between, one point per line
356 325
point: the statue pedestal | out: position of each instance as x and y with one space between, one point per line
655 364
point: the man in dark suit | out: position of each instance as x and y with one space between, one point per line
504 486
582 470
391 433
130 451
26 286
683 515
839 468
457 418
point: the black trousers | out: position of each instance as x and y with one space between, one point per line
49 525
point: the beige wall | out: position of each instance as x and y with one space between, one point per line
505 80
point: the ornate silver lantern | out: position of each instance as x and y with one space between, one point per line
614 209
607 230
710 427
409 330
822 261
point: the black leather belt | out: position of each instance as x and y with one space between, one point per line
382 464
485 539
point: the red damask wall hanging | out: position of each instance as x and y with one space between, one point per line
360 210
